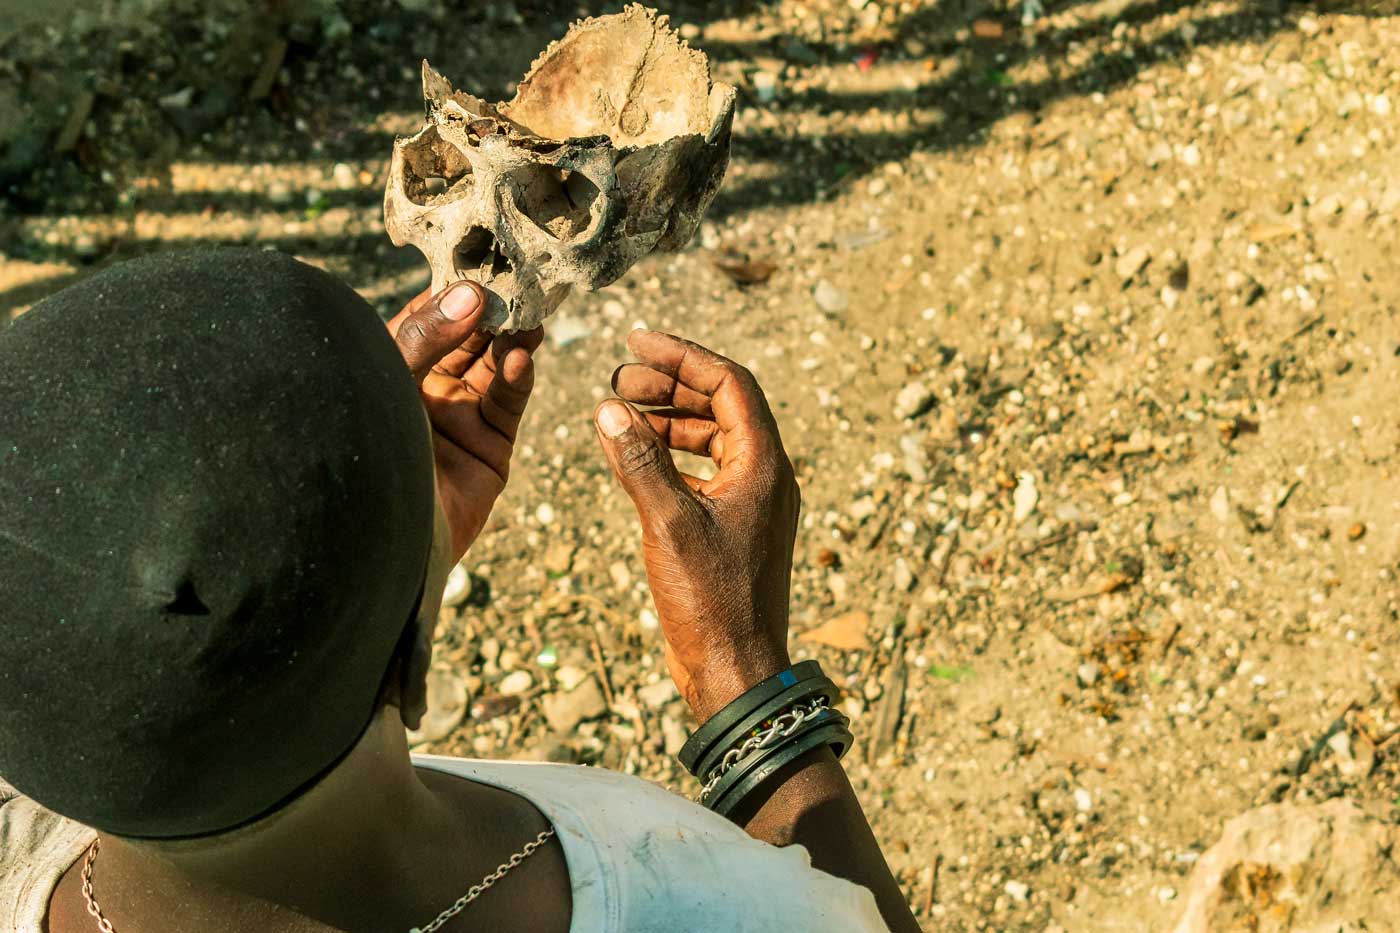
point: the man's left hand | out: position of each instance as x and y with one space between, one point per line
474 388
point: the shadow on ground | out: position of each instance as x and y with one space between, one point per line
320 115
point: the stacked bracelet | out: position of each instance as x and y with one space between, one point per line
769 726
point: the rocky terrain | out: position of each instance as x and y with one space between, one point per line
1083 335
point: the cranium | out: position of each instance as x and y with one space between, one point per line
614 145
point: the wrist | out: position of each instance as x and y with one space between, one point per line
718 683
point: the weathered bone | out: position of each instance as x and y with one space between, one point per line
613 146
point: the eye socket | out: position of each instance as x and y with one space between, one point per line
557 200
433 168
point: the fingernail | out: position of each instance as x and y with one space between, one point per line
614 420
461 300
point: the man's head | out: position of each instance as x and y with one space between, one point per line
216 499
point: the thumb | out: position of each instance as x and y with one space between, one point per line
441 325
639 459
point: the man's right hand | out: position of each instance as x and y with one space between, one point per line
718 552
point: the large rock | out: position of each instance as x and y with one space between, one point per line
1325 868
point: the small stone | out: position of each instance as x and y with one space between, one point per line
1024 499
914 400
1083 800
1220 505
568 676
566 329
648 620
516 683
564 711
559 558
830 298
1380 105
1131 263
1357 531
657 695
544 514
1088 674
872 690
620 574
689 32
1018 891
447 706
344 177
458 588
903 576
765 86
673 734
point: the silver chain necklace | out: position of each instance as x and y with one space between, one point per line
480 888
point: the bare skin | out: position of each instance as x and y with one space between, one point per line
719 557
719 561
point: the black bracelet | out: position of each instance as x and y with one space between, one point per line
815 719
834 734
722 722
734 737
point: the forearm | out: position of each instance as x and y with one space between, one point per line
811 803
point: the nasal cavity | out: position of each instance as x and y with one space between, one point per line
479 256
186 602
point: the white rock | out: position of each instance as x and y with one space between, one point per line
1024 499
458 588
1018 891
913 400
516 683
830 298
545 514
1083 800
564 711
1132 262
765 86
657 695
903 576
1220 505
568 676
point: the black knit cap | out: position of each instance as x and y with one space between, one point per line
216 500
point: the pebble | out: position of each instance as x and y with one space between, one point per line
566 329
673 734
1083 800
516 683
1024 499
345 177
447 706
564 711
559 558
568 676
1018 891
657 695
545 514
830 298
1131 263
903 576
1088 673
1220 505
458 588
913 400
765 86
620 574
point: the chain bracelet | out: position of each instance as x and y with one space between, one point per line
780 727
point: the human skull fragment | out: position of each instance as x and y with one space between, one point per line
613 146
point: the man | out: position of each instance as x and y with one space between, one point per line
226 525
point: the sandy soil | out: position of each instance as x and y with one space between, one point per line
1084 338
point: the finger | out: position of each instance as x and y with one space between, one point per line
482 371
735 398
504 402
442 325
680 431
457 363
640 461
642 385
466 428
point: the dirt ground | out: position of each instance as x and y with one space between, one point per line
1083 335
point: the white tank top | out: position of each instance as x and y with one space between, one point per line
641 859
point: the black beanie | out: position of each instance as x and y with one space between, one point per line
216 501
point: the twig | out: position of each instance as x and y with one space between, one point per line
602 668
1167 642
931 893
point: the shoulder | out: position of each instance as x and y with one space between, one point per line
36 848
668 864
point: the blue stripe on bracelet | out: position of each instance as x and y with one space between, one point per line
787 678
